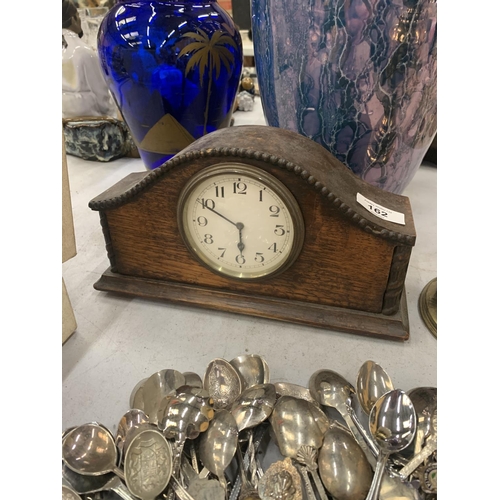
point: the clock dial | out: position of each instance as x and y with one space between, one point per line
240 221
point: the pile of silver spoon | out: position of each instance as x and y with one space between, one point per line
234 435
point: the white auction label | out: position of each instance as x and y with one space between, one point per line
380 211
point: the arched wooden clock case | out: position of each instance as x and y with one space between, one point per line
348 274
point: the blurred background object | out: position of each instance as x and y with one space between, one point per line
92 124
84 90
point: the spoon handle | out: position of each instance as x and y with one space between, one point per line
122 491
319 485
179 490
260 433
307 483
373 494
348 415
194 458
417 459
119 473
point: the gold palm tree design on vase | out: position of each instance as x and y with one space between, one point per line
208 54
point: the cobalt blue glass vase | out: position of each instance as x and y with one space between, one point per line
173 68
357 76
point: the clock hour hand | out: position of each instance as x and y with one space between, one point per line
241 245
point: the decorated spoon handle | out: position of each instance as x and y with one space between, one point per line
307 483
319 485
350 419
424 453
260 432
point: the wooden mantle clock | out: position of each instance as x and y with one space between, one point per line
261 221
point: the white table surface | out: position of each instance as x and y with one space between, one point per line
120 341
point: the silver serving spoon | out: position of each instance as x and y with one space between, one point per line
184 415
147 464
132 419
222 382
156 387
252 407
372 382
343 466
299 428
393 423
252 368
90 450
329 388
217 446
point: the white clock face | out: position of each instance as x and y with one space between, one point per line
240 221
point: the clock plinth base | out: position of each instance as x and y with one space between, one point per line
393 327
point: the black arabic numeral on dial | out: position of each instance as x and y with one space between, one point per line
273 247
208 239
239 188
240 259
275 210
202 221
259 258
219 191
223 252
207 203
279 231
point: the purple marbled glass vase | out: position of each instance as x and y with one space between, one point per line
359 77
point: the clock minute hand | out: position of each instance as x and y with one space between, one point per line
220 215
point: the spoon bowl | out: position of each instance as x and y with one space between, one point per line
254 405
252 368
193 379
132 419
297 423
148 464
156 387
393 425
217 446
330 389
372 382
343 467
90 449
223 382
299 428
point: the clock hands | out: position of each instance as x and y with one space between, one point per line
239 226
241 245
